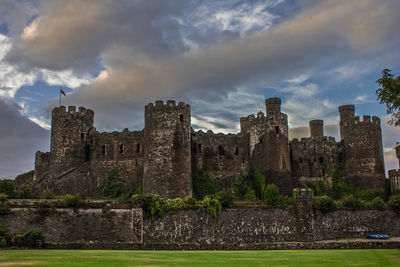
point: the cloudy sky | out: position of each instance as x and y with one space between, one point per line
222 57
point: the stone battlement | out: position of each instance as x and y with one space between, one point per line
170 105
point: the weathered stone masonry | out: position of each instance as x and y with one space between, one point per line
234 228
164 155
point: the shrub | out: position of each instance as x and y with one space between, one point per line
7 187
3 242
258 181
203 185
340 187
250 195
25 191
139 190
271 195
3 197
394 203
352 203
48 194
190 202
211 205
73 201
321 189
3 230
225 197
112 186
18 240
4 208
325 204
287 201
32 238
376 204
240 187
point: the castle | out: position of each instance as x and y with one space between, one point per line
167 152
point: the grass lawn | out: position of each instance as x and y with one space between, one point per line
367 257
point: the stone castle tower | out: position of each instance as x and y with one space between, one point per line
362 147
167 152
167 160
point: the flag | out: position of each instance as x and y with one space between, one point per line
62 91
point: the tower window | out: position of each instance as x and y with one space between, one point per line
221 151
103 149
260 140
236 150
321 160
82 136
121 148
277 129
181 118
138 148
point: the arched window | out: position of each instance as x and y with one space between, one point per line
181 118
103 149
121 148
236 150
277 129
138 148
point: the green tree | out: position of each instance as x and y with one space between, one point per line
389 94
203 185
7 187
112 187
272 196
25 191
258 181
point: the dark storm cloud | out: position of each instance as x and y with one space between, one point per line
74 34
20 139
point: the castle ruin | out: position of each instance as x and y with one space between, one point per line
167 152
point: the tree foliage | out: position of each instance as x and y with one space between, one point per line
389 94
203 185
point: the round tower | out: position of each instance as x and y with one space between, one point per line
316 128
362 146
69 130
167 155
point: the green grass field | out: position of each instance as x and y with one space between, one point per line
370 257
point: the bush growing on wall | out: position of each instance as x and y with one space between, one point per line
18 240
240 187
7 187
203 185
258 182
324 204
394 203
225 197
353 203
112 186
25 191
272 196
32 238
376 204
48 194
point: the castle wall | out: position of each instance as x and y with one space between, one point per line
233 227
223 156
363 150
167 155
120 150
316 156
78 225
